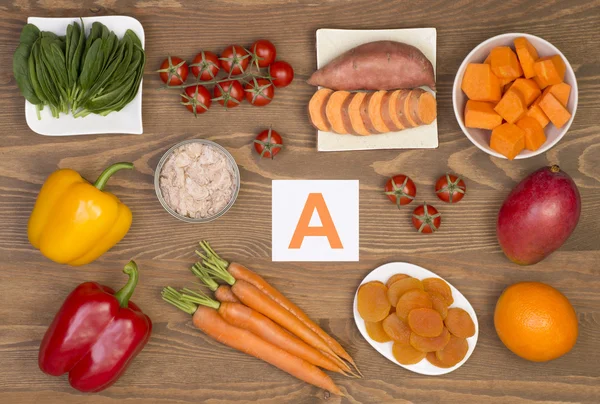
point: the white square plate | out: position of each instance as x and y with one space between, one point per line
333 42
127 120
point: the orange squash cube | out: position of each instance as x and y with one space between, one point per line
480 84
528 89
536 112
534 133
508 139
555 111
527 56
549 70
481 114
560 91
512 106
505 64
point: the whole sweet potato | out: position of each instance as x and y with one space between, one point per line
380 65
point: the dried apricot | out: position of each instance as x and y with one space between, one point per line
440 286
373 304
406 354
432 358
376 332
402 286
396 329
454 351
460 323
439 304
430 344
395 278
425 322
413 299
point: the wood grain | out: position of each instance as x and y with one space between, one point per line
181 365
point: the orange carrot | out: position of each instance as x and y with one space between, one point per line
211 323
244 317
240 272
224 294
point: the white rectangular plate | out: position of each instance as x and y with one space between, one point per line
333 42
127 120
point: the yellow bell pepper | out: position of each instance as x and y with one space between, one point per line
74 222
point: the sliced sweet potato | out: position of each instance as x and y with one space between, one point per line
397 101
316 109
432 358
412 299
560 91
407 107
376 332
406 354
480 84
512 106
554 110
373 304
508 139
395 278
400 287
528 89
534 133
422 107
346 115
527 56
396 329
375 112
439 303
386 113
481 114
364 114
425 322
459 323
504 63
429 344
335 114
439 286
354 114
535 111
549 70
454 351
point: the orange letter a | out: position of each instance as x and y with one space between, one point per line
327 229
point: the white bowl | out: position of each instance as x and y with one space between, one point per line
385 272
481 137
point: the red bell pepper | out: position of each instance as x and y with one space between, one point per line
95 335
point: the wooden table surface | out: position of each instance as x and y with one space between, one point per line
181 365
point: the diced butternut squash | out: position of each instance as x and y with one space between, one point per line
508 139
507 87
512 106
505 64
555 111
534 133
528 89
527 56
560 91
481 114
480 84
536 112
549 70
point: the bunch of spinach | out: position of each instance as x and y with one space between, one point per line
95 74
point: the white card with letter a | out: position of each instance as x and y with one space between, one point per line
315 220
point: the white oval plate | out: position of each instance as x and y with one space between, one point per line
382 274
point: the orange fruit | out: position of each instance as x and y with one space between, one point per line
535 321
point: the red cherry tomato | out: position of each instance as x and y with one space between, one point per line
450 188
282 73
196 99
235 59
229 93
205 65
400 189
259 92
268 143
173 71
426 219
263 53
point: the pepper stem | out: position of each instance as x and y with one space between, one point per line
110 170
124 294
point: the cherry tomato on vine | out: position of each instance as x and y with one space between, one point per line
426 219
228 93
205 65
196 99
259 92
450 188
401 190
282 73
263 53
173 71
235 59
268 143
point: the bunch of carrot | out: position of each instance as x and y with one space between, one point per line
253 317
